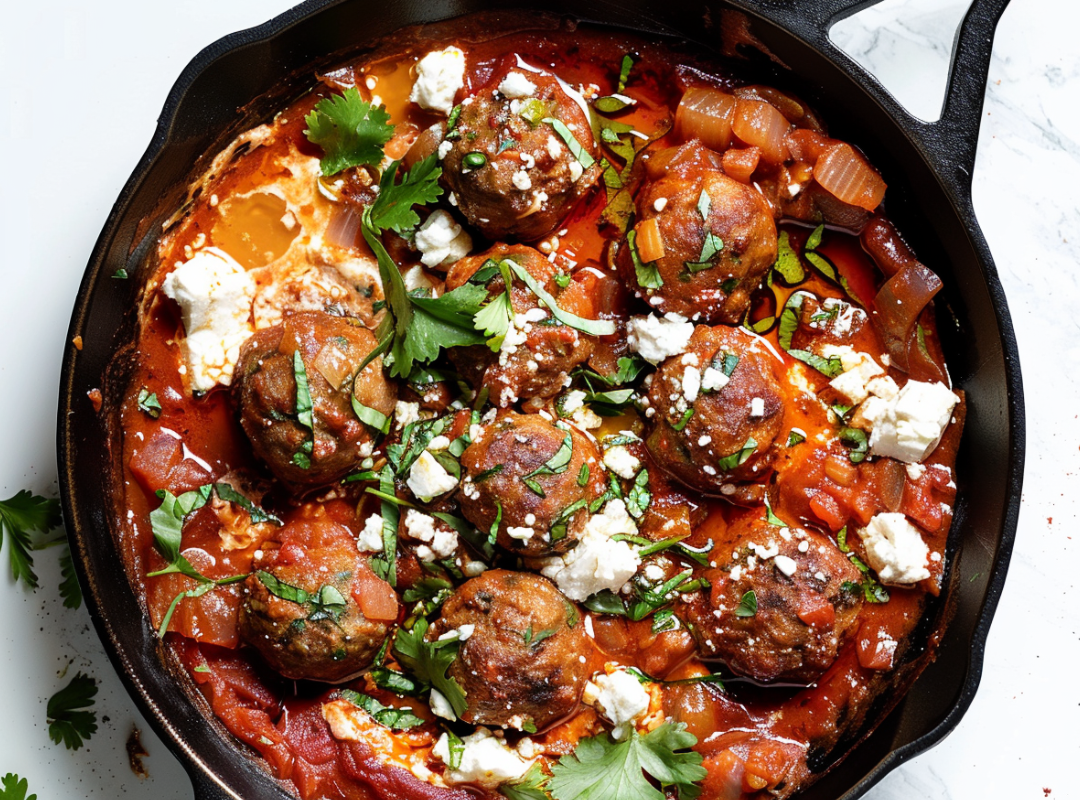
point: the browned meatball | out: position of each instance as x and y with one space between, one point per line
540 365
265 394
718 409
521 663
718 286
512 174
541 476
312 607
807 599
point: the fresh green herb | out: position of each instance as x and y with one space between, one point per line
120 275
747 605
556 465
562 281
495 318
814 240
787 264
530 787
451 123
432 592
610 104
841 410
771 517
678 426
148 403
558 525
70 590
610 403
624 72
714 679
601 767
70 721
789 319
394 681
736 459
795 437
327 603
639 496
474 160
384 565
202 669
829 367
920 336
655 597
583 475
227 493
393 207
304 412
429 662
648 275
456 748
664 620
350 131
371 416
593 327
533 111
398 719
579 152
12 787
21 515
841 540
712 244
533 638
493 532
857 441
488 473
605 602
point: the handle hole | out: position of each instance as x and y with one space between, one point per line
907 45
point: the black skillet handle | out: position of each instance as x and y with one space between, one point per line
950 142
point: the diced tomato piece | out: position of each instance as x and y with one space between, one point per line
815 610
875 647
376 597
152 462
827 510
210 618
725 778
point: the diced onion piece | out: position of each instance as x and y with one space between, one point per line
760 124
333 365
898 305
705 114
344 226
649 242
806 145
840 470
741 163
890 478
844 174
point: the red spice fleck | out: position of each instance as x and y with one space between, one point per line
1046 792
1049 520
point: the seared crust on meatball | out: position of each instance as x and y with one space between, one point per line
264 392
539 356
729 380
512 174
521 466
301 606
719 287
522 661
807 603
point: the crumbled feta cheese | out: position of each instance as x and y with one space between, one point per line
659 204
895 549
516 85
520 533
622 699
621 461
587 419
474 568
444 149
572 401
786 565
909 426
485 761
370 539
521 180
406 414
598 562
428 479
439 75
859 369
713 380
654 572
215 295
576 170
691 383
757 407
656 338
440 706
421 526
915 471
441 240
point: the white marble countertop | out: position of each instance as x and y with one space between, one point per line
80 89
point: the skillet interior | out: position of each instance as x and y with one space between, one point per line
201 111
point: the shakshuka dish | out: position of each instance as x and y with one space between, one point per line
540 413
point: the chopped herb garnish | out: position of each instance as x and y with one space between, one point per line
493 532
795 437
648 275
149 403
120 275
728 463
788 265
579 152
350 131
371 416
605 602
678 426
814 240
475 160
583 475
857 441
639 496
429 662
398 719
495 318
304 412
384 565
747 605
829 367
20 516
593 327
488 473
70 721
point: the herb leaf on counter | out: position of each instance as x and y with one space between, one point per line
12 787
21 515
70 590
70 723
350 131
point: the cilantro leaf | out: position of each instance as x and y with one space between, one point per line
21 515
12 787
398 719
70 590
350 131
601 768
747 605
148 403
429 661
530 787
69 721
393 208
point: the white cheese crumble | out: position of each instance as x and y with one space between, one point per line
713 380
622 462
572 401
895 549
428 479
859 369
521 180
520 533
441 241
909 425
622 699
516 85
406 414
421 526
441 707
757 407
691 383
439 75
215 295
370 539
485 761
656 338
598 562
786 565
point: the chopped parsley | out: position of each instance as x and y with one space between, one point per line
530 787
495 318
305 411
747 605
350 131
12 787
149 403
20 516
68 715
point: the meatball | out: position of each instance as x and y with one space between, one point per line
312 607
807 597
536 357
538 476
512 173
719 236
264 392
726 413
522 661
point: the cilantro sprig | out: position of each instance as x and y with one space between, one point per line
21 516
12 787
70 721
350 131
429 662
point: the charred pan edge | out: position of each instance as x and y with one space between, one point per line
85 486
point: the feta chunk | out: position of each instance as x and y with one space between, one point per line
895 549
441 241
440 706
515 85
908 426
421 526
656 338
215 295
370 539
713 380
485 761
598 562
405 413
428 479
621 461
859 369
439 75
622 699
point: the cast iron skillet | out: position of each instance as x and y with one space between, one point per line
928 169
